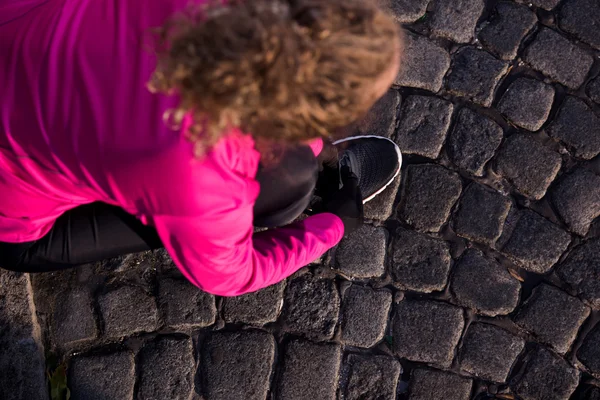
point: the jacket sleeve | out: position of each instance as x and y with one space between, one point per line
230 262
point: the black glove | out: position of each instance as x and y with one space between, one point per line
347 202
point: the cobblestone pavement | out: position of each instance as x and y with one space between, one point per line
477 277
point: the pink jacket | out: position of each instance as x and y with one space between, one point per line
77 125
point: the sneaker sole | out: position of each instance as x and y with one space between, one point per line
371 197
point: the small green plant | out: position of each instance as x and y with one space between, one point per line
57 378
58 384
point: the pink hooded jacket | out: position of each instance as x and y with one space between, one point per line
77 125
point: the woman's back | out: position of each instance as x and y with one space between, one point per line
77 122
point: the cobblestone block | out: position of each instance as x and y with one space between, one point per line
581 270
593 90
507 28
237 365
166 368
309 371
589 352
555 56
128 310
426 331
429 384
475 74
109 376
22 364
381 118
527 165
456 20
545 4
22 369
184 306
536 243
407 11
481 214
364 315
489 352
539 316
372 377
578 127
484 285
430 194
527 103
473 141
420 262
592 393
576 198
581 18
424 125
545 376
424 64
73 319
382 206
362 253
256 308
311 307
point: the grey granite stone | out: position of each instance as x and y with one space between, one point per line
102 377
381 118
311 307
426 331
309 371
527 103
22 370
166 369
474 74
456 20
481 214
578 127
22 363
489 352
372 377
237 365
184 306
558 58
382 206
127 310
423 126
581 269
473 141
536 244
484 285
429 195
593 89
591 393
362 253
430 384
256 308
528 165
589 352
420 262
545 376
364 315
545 4
506 29
406 11
576 199
424 64
74 319
539 316
581 18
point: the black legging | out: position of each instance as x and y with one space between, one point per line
99 231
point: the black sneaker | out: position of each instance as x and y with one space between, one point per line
375 160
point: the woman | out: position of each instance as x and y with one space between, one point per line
112 142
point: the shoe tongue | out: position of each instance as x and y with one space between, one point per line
349 159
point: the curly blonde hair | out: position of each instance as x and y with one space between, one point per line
282 70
